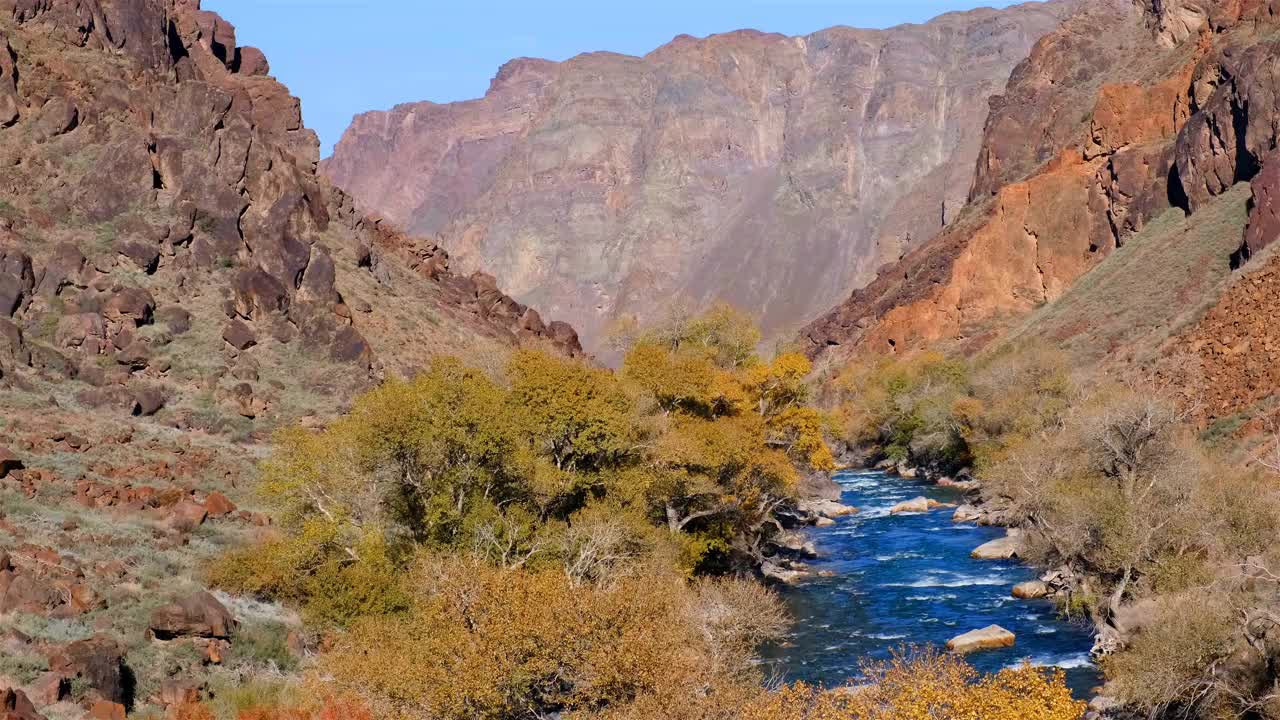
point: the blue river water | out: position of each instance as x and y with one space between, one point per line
909 580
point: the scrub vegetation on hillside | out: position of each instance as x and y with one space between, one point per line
1114 488
558 538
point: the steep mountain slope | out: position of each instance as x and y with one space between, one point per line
772 172
1181 108
154 170
176 281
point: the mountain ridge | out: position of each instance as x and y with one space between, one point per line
744 153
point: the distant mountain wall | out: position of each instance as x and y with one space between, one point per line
776 173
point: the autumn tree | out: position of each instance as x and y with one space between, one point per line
482 642
522 543
926 685
907 409
733 434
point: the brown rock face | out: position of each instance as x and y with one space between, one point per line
155 174
1055 192
97 662
199 615
772 172
1230 360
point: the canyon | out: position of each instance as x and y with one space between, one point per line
176 283
1058 243
774 173
183 279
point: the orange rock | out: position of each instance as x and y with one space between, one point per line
176 693
106 710
187 516
218 505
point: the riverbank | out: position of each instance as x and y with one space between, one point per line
882 580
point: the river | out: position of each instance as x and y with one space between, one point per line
908 579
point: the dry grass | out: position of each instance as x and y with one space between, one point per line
1162 279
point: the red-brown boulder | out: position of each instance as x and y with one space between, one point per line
49 688
147 400
251 61
218 505
177 693
8 461
26 593
97 662
1264 213
187 515
130 305
239 336
198 616
14 705
106 710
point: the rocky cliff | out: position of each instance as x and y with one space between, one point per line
160 199
772 172
176 281
1097 134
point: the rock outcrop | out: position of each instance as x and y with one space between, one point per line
14 704
176 282
199 615
772 172
1180 109
158 180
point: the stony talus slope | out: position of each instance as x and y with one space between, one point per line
1173 109
772 172
176 281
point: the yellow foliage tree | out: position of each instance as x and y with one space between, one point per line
482 642
927 685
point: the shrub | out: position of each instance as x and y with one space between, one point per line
273 706
903 409
22 667
456 461
1168 663
522 546
264 645
483 642
925 685
232 697
335 586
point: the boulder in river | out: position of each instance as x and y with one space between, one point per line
826 508
1006 548
988 638
966 514
915 505
1031 590
823 522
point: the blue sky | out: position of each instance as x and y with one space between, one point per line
343 57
